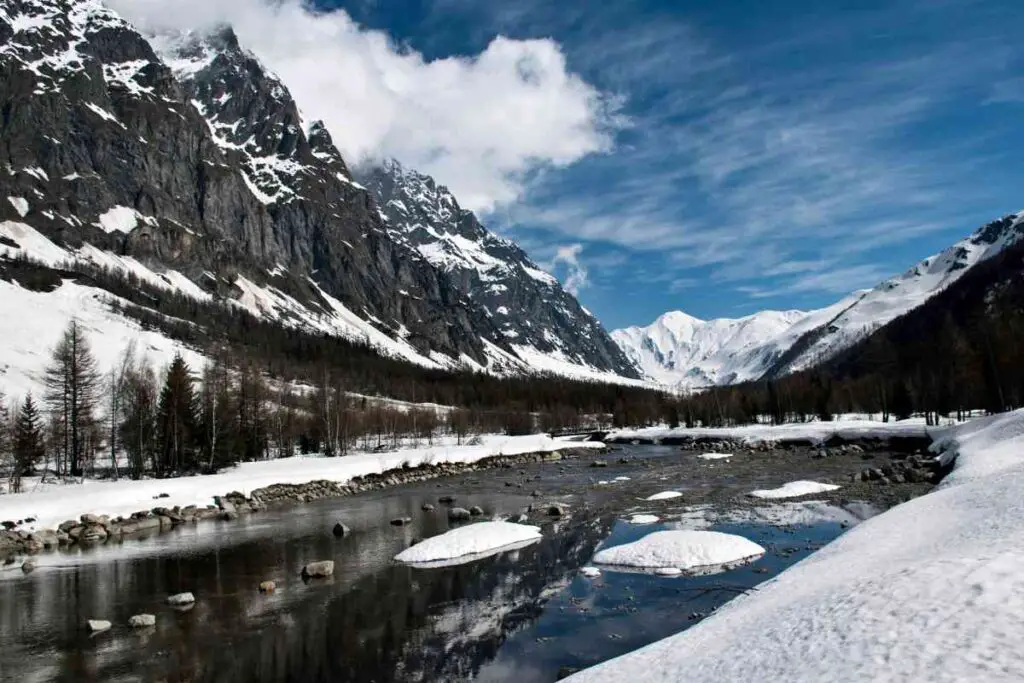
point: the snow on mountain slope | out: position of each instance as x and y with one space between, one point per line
680 351
899 295
544 325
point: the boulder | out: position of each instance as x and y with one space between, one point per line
340 530
401 521
67 526
318 570
93 534
267 587
28 566
47 537
90 519
599 463
97 625
458 514
476 510
446 499
142 621
180 599
556 509
427 507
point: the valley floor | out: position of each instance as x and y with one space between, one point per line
929 590
50 505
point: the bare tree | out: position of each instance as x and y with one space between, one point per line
118 377
72 388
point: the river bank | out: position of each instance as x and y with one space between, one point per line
100 512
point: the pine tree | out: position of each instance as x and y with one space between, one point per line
176 420
27 443
72 388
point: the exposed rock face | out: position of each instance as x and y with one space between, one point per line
528 306
193 158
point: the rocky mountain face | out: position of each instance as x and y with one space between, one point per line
528 306
683 352
186 159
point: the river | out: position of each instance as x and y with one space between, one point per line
526 615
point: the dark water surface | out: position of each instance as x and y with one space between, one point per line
518 616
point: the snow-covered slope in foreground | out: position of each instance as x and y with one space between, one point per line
931 590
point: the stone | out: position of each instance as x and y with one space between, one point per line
93 534
401 521
180 599
229 515
318 570
458 514
97 625
267 587
520 519
142 621
535 493
89 519
556 509
446 499
340 530
427 507
28 566
8 525
47 537
476 510
599 463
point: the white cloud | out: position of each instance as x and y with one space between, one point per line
480 124
568 255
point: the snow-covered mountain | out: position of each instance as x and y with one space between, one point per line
682 352
183 163
543 323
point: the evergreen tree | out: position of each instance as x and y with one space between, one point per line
176 420
27 442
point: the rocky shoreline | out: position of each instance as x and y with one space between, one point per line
94 529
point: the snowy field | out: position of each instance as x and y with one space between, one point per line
813 431
54 504
931 590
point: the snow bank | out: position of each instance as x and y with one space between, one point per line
714 456
931 590
665 495
58 503
469 543
813 431
681 550
794 489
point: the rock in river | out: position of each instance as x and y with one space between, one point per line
476 510
180 599
142 621
97 625
458 514
268 587
341 530
318 570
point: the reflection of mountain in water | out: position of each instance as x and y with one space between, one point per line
462 635
404 624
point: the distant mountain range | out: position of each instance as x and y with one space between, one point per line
682 352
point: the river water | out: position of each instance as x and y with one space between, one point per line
525 616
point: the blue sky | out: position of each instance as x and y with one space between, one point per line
761 154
